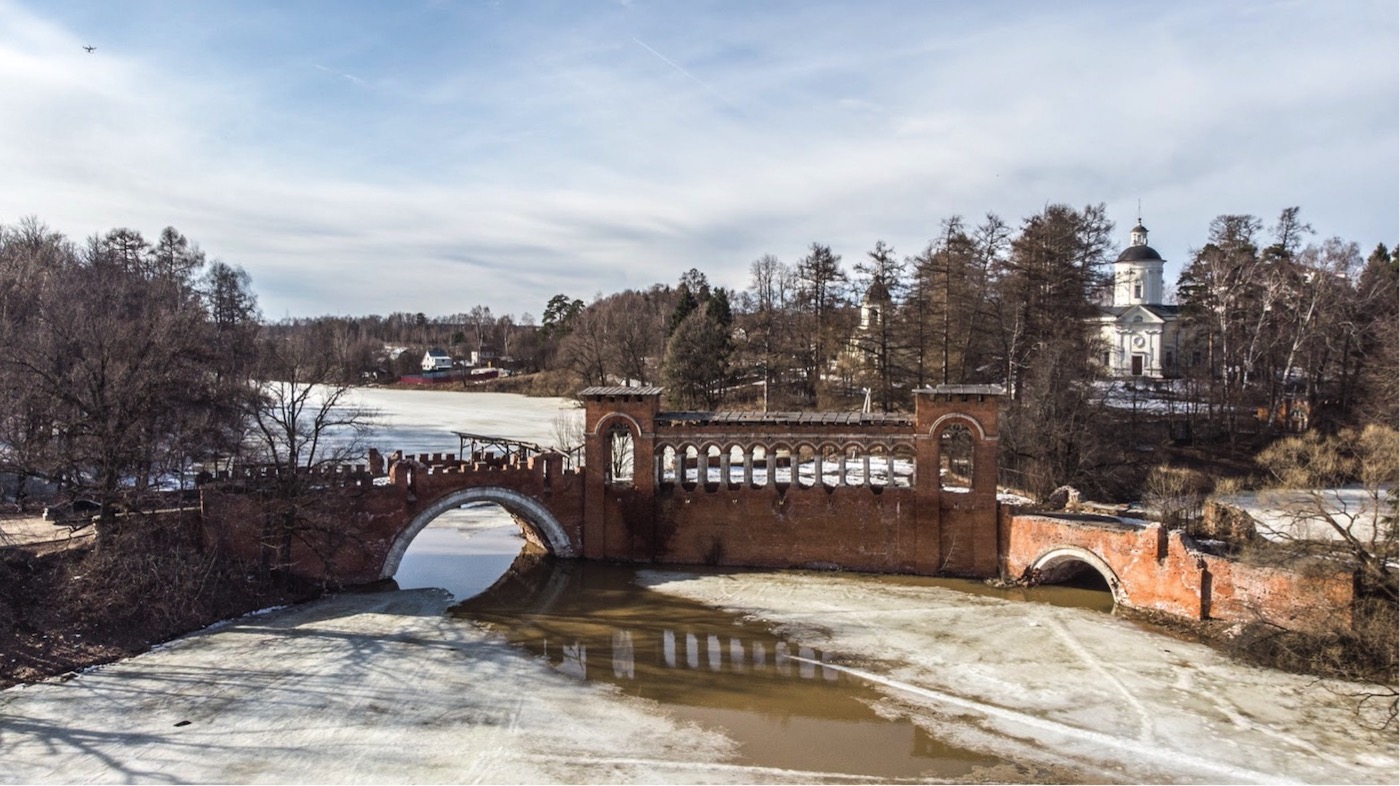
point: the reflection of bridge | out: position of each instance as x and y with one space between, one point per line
619 633
858 491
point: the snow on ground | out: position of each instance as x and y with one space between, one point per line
1303 515
361 688
374 688
1064 687
422 421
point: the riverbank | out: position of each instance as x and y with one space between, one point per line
385 687
1068 689
64 606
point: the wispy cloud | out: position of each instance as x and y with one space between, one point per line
692 77
342 75
494 156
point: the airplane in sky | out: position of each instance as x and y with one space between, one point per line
90 49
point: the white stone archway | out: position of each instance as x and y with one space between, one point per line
1056 564
533 513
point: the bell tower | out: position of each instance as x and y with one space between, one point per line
1137 273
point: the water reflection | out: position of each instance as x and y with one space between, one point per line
775 695
778 697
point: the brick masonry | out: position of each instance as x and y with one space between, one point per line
683 504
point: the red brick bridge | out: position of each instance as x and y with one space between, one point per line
873 492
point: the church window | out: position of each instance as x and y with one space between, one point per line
1137 291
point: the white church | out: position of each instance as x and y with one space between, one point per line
1141 335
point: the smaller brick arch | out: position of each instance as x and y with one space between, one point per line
974 425
605 423
532 511
1057 564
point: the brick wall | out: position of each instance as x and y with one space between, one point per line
1159 570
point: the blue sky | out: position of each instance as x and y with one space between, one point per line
359 157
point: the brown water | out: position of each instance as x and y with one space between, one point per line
775 696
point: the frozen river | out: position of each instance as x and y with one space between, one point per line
489 668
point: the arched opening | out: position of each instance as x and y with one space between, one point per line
736 467
621 455
667 475
808 466
783 468
829 466
955 458
881 463
712 466
903 466
1077 569
690 470
466 540
760 466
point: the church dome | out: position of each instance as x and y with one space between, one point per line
1139 254
877 293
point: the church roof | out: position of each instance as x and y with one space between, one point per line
1165 312
1139 254
877 293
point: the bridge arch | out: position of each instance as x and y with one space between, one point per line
974 425
530 511
1058 564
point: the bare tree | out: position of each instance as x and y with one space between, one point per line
110 352
303 420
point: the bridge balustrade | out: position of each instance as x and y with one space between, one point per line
781 465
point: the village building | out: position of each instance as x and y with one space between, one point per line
437 360
1141 335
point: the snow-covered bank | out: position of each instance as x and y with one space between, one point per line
372 688
1065 688
422 421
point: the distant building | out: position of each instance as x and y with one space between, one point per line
437 360
483 357
876 305
1142 335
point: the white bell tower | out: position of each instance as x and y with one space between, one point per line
1137 273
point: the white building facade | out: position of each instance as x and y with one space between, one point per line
1141 334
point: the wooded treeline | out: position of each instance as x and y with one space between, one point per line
127 365
135 357
1268 317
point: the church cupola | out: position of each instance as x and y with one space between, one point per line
1139 235
874 305
1137 273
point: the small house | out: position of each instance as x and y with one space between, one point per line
437 360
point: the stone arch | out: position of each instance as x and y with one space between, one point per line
879 458
605 422
526 509
668 470
784 451
689 456
759 454
739 456
973 424
826 460
1057 564
620 437
956 449
712 455
804 452
904 464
